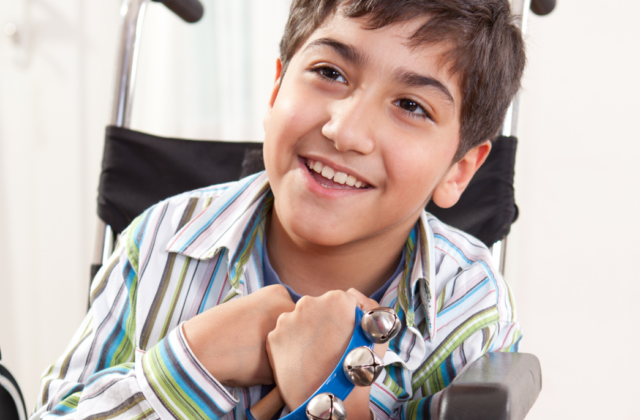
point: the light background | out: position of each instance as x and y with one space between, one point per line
571 253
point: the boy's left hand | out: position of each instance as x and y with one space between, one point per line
308 343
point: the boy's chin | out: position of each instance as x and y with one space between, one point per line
326 233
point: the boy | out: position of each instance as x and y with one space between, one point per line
378 107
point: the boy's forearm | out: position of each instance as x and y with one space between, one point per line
357 403
229 339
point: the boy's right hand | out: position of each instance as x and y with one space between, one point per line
229 339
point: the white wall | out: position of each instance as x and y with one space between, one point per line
576 243
53 107
571 253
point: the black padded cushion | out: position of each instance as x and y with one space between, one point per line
487 207
10 408
139 170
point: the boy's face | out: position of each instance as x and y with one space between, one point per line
362 103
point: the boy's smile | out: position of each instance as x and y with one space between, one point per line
359 135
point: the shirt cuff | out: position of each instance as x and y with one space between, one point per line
373 414
176 384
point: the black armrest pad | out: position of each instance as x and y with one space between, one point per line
498 386
11 401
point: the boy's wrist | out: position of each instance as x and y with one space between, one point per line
165 365
357 403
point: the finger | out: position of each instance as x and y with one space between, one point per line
267 407
364 302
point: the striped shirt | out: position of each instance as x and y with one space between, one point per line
130 360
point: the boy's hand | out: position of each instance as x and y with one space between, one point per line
308 343
229 339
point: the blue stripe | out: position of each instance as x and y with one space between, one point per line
114 341
464 298
221 209
119 370
380 405
468 261
190 387
203 305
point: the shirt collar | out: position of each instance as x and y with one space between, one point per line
232 220
418 280
228 223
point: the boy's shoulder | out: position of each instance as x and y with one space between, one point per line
459 245
192 211
191 203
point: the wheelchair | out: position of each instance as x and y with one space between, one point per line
139 170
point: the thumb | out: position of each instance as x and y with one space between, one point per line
364 302
367 304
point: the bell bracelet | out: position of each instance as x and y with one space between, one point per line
359 366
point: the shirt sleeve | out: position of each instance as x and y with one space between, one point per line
103 375
484 324
500 336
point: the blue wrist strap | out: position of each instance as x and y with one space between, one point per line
338 384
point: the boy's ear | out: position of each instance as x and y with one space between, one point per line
448 191
274 92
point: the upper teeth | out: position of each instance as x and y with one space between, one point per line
338 177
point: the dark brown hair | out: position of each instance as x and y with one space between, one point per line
487 50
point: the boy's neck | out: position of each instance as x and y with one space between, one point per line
313 270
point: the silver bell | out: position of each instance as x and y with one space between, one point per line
380 325
362 366
326 406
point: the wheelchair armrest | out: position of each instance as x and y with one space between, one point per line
498 386
11 401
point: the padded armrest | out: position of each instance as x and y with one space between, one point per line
11 402
498 386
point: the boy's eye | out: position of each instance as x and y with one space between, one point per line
413 108
330 73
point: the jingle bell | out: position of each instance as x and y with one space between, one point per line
362 366
380 325
326 406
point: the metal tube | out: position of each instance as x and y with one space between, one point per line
503 255
98 249
509 126
132 15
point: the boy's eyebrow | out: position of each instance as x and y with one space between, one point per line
404 76
347 52
412 79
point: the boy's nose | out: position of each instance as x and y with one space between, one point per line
351 126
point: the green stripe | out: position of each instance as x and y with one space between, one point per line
67 361
72 400
392 385
403 287
512 303
412 410
248 248
229 297
144 414
515 336
133 252
125 351
441 300
65 364
125 406
454 340
174 300
100 286
165 386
